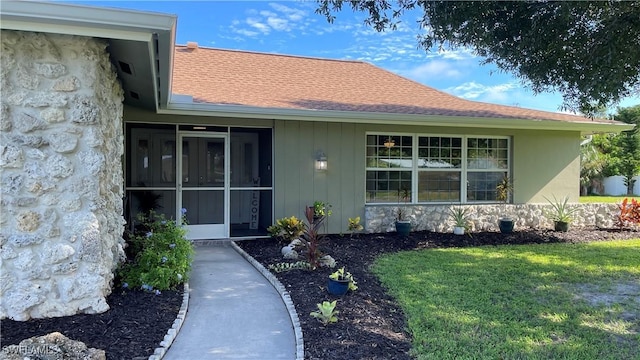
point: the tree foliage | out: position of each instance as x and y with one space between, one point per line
628 145
587 50
620 153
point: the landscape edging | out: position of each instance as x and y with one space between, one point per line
160 351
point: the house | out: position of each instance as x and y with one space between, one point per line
103 116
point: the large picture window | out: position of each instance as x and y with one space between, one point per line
435 168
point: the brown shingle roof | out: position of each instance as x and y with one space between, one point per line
290 82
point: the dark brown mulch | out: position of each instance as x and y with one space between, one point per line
132 328
371 325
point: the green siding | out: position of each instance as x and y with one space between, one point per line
544 163
547 164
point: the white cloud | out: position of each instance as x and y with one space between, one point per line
433 69
291 13
500 93
449 54
278 23
256 24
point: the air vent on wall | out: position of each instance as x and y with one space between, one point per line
125 68
134 95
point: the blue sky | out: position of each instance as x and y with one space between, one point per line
292 27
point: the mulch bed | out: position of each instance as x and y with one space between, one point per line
371 324
132 328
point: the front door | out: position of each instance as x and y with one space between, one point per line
203 184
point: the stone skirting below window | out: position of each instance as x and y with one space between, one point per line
381 218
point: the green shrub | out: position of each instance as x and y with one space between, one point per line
287 229
164 257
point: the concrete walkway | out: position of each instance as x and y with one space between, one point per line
234 312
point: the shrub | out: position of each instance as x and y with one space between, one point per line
354 225
165 255
629 213
287 229
326 312
310 239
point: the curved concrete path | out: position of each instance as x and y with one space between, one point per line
234 312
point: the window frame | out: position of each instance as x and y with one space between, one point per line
415 170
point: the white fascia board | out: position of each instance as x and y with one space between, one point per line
235 111
74 30
96 21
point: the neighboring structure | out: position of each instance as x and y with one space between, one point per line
614 185
237 138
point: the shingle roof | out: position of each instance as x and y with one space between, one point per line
229 77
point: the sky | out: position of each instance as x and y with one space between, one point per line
293 28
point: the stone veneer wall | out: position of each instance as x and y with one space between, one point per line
61 183
381 218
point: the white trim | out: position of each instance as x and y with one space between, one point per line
463 170
110 20
237 111
204 231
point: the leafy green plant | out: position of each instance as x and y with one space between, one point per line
326 312
560 210
342 275
504 188
459 215
321 209
354 225
287 229
165 255
287 266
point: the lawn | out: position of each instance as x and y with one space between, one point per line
549 301
606 199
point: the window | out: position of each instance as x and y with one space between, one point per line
389 166
487 163
434 167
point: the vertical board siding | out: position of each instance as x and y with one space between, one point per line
298 184
332 187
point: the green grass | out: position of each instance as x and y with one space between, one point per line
520 302
605 199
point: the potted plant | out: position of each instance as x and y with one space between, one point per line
561 214
459 217
340 282
504 188
403 225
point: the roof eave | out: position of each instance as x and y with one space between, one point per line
155 29
237 111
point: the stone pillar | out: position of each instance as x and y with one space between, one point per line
61 175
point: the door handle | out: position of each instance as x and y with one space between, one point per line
201 180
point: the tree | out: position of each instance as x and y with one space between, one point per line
592 162
587 50
628 145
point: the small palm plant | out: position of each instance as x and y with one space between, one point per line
459 215
561 213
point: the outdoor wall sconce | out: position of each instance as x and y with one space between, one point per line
321 161
389 143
